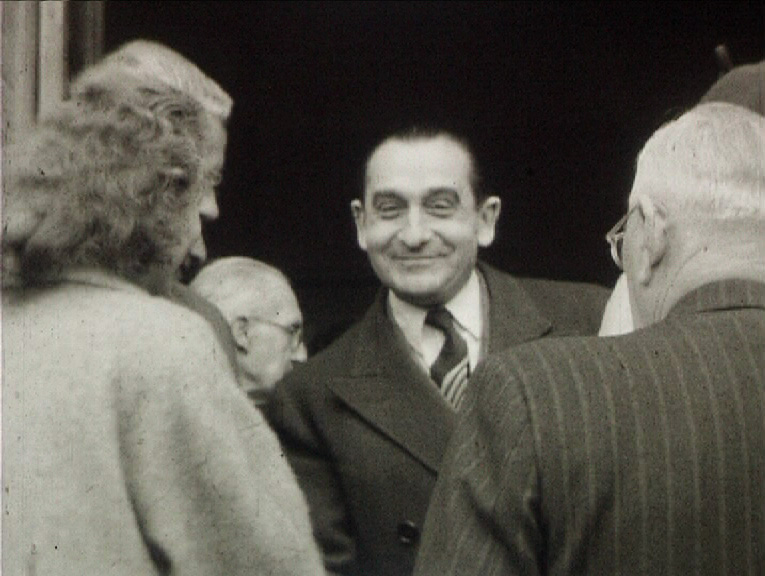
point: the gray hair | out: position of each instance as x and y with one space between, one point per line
105 180
152 62
238 285
710 162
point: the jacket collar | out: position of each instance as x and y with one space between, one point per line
89 276
513 316
724 295
392 393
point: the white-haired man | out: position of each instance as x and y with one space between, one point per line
264 315
642 453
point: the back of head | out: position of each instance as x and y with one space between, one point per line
239 286
104 180
707 163
151 61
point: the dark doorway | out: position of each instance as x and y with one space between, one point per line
558 96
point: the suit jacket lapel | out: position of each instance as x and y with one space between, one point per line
388 390
513 316
393 394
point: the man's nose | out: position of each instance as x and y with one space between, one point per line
415 231
300 354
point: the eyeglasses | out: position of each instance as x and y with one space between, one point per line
294 331
615 238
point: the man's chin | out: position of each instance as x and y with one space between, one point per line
421 295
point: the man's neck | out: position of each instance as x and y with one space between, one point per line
726 260
252 386
469 288
465 307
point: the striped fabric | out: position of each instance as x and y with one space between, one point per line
455 382
451 368
639 454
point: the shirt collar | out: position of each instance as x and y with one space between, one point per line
465 306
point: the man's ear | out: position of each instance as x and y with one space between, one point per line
357 208
239 328
19 228
653 238
488 214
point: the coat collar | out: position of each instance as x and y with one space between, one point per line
391 392
513 316
99 278
387 388
724 295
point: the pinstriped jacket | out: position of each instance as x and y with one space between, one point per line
639 454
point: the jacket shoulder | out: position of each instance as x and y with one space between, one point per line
572 307
541 288
336 359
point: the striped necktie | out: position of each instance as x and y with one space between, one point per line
452 367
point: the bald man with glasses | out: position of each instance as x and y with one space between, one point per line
264 315
744 85
644 452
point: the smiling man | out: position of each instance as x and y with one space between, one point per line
365 423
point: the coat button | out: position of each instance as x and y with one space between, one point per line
408 533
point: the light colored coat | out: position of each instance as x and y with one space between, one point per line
128 448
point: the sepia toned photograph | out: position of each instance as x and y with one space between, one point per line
377 288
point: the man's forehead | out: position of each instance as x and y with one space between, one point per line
275 300
433 163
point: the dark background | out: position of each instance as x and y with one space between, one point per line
557 97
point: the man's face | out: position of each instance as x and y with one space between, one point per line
419 222
274 343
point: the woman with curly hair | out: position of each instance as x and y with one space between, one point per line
147 62
128 448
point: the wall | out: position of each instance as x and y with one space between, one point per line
558 96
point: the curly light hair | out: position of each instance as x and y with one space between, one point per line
105 181
150 61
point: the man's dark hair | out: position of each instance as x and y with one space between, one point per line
429 132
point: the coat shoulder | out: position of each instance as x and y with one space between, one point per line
572 307
335 361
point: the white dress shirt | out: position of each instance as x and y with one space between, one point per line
426 341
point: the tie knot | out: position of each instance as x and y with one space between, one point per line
440 318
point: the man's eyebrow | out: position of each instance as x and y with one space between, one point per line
385 194
443 190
